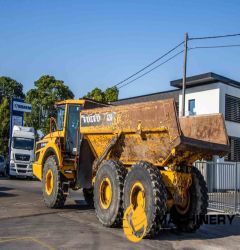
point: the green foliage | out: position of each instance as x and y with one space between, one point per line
4 128
47 91
109 95
96 94
9 88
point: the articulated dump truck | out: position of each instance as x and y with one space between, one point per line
130 155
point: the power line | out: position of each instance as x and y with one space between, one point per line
149 64
191 48
167 53
152 69
215 47
214 37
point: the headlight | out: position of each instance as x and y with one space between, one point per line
41 145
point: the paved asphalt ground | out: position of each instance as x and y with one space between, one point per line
25 223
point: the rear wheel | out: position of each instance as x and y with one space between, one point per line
108 193
53 193
144 187
186 218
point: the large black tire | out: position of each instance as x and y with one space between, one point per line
56 198
88 196
155 194
198 194
115 172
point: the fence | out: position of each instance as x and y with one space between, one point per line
223 181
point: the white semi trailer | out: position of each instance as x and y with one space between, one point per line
22 151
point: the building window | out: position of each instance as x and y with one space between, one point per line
191 107
234 154
232 108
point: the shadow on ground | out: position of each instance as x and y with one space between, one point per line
205 232
4 192
3 189
79 205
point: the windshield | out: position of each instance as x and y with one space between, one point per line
60 116
73 116
23 143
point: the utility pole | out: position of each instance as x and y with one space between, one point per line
184 74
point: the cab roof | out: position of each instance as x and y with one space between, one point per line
71 101
82 102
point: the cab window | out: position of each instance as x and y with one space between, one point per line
72 128
60 116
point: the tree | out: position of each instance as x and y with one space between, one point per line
109 95
4 128
47 91
96 94
9 88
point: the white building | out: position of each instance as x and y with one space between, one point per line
206 94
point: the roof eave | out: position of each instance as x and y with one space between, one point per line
203 79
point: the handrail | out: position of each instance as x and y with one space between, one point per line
53 120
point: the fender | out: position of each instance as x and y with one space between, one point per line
51 149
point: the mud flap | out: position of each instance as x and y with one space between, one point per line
84 171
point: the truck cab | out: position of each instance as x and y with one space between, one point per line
22 151
64 139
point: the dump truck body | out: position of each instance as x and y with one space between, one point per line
153 132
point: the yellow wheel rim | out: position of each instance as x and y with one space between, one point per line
49 182
137 195
135 223
105 193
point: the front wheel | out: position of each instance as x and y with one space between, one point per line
53 193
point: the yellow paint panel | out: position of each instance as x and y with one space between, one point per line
99 142
81 101
170 178
37 170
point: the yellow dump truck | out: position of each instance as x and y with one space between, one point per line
139 154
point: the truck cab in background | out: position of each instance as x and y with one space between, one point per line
22 151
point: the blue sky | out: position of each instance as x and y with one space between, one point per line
91 44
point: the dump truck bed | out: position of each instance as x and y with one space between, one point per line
152 132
